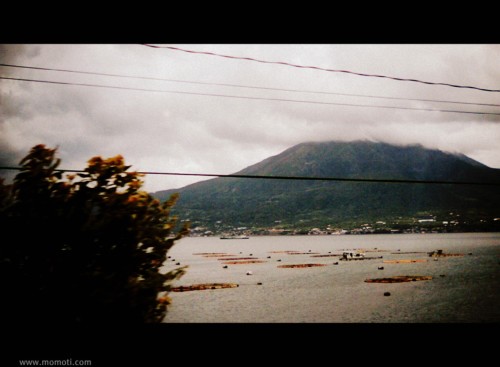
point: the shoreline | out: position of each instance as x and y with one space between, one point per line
277 234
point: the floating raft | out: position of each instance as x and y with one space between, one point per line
300 265
238 258
217 255
201 287
405 261
440 253
244 262
360 258
212 254
303 253
446 255
399 279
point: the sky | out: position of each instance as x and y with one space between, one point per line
167 110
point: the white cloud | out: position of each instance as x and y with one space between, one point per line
192 133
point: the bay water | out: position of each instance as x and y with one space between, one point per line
463 289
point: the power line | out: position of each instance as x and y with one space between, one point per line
301 178
248 97
322 69
244 86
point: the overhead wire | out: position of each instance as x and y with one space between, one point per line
256 98
248 97
242 86
301 178
284 63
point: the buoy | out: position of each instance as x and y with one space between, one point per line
251 255
224 267
269 257
380 268
336 263
259 283
435 259
249 272
177 263
442 275
278 260
387 294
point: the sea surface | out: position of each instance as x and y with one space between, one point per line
464 289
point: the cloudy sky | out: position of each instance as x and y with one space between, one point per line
173 111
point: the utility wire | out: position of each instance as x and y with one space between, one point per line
243 86
321 69
247 97
301 178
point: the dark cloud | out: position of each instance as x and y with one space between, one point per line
172 132
12 53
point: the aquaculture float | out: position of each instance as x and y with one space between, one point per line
204 286
399 279
300 265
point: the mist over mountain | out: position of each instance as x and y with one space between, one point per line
241 202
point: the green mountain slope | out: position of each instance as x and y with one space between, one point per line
241 202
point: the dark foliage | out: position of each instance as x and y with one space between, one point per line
85 248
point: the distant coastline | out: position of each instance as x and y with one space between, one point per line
246 233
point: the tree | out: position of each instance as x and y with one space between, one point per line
85 248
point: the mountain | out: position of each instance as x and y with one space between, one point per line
243 202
